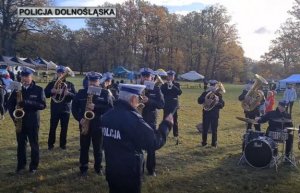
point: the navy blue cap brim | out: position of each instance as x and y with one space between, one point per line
94 78
60 71
26 73
146 73
130 90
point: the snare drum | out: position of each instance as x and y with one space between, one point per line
250 135
278 135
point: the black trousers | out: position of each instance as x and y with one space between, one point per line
210 122
175 118
32 135
64 123
253 115
289 108
2 102
124 185
96 137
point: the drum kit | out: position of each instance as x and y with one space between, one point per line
261 151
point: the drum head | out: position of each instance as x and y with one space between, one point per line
258 153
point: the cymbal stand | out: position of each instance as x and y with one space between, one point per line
291 158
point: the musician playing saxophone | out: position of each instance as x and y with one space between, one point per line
33 100
100 103
210 117
59 111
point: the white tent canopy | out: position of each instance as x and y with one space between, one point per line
192 76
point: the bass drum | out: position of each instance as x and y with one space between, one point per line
260 151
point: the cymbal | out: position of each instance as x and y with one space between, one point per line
292 128
247 120
282 120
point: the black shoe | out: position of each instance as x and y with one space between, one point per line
83 173
204 144
152 174
32 171
63 147
99 172
50 148
20 169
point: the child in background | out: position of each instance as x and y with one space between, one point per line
270 101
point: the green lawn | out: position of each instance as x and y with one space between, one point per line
186 168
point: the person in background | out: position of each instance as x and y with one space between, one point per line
19 76
11 74
270 101
290 96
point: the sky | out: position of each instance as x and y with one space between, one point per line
256 20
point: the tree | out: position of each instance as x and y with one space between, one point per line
11 26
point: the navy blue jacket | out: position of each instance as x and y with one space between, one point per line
125 135
214 112
102 104
65 105
33 101
274 125
155 101
171 96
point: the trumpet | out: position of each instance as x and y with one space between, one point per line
158 80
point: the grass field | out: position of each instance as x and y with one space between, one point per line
186 168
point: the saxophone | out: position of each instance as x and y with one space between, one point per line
88 114
254 96
60 86
18 112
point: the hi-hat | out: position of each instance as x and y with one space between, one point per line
282 120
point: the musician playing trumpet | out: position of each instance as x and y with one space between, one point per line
60 111
213 98
153 100
100 103
171 91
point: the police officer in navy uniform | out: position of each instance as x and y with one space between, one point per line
152 100
171 90
126 134
211 117
59 111
100 104
33 101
